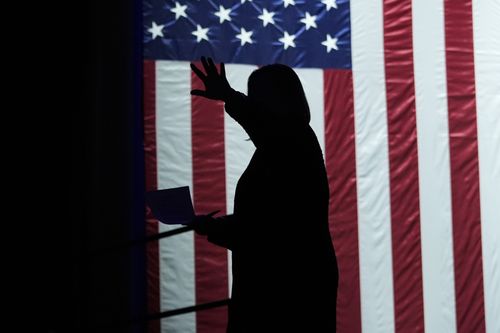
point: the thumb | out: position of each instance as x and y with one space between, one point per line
213 213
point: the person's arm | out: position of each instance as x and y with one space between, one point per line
239 106
220 231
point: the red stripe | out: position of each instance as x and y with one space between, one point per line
403 166
209 194
469 293
152 249
340 161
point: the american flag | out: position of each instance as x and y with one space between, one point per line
405 101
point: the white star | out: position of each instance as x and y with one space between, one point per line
330 4
289 2
156 30
287 40
245 36
223 14
330 43
179 10
200 33
243 1
309 21
266 17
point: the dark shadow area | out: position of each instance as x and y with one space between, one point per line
99 159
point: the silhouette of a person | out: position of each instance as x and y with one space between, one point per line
284 267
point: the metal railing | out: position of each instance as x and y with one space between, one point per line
122 246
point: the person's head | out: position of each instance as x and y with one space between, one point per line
279 88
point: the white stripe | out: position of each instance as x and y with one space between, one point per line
434 166
486 24
372 168
238 149
312 81
173 140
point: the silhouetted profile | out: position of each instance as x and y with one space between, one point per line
285 273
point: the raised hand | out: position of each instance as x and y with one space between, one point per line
216 85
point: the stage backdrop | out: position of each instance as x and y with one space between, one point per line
405 101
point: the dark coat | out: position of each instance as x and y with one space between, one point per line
285 273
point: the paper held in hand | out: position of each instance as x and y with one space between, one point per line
171 206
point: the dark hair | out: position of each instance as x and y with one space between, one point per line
278 88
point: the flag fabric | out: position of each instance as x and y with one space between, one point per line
405 102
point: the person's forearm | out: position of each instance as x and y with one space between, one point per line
236 105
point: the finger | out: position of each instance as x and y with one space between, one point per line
213 68
222 70
198 72
206 66
212 64
197 92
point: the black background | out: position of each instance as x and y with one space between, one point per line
77 166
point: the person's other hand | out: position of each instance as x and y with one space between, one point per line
216 85
201 223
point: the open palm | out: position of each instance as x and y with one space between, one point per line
216 85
